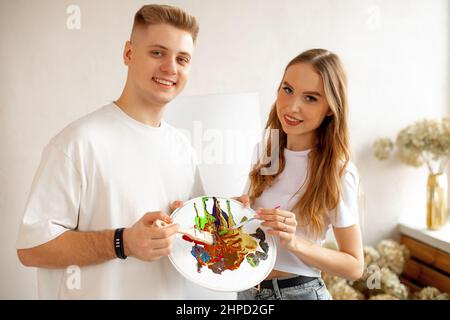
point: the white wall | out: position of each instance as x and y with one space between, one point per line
396 53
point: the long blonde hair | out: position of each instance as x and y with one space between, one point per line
327 160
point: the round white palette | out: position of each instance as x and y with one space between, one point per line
239 259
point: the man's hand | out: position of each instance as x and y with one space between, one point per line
147 242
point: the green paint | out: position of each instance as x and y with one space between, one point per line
252 259
200 222
222 232
244 219
230 216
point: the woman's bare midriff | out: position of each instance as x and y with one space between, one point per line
279 274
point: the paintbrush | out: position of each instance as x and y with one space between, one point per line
191 233
242 223
246 221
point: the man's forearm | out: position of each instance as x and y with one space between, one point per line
71 248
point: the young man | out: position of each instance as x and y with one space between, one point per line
120 166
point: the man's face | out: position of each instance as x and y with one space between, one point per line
158 59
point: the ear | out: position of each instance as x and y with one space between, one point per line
127 53
329 113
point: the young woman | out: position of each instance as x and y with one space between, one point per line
313 183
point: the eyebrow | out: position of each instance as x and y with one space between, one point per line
305 92
165 48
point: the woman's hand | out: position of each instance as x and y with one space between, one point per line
283 225
244 199
175 205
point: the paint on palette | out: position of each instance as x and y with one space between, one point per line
231 246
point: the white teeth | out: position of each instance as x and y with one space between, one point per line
165 82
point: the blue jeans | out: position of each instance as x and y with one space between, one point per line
312 290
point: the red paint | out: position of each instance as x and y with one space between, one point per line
185 237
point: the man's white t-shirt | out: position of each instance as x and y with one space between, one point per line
105 171
286 190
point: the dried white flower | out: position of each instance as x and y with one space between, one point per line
383 296
391 285
382 148
343 291
392 255
371 256
425 141
430 293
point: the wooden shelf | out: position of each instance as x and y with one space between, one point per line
429 255
428 265
439 239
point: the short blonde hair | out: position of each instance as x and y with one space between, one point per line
156 14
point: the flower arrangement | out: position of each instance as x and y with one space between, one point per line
426 141
390 258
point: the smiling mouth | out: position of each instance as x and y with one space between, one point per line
291 120
164 82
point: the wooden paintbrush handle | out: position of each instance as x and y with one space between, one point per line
161 224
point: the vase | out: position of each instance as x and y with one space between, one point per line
437 200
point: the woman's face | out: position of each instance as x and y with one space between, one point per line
301 103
